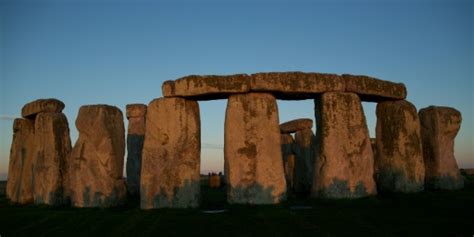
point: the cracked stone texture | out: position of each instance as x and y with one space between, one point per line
399 165
304 162
373 89
95 165
52 146
344 163
31 109
287 144
20 171
296 125
206 87
296 85
252 150
439 127
170 173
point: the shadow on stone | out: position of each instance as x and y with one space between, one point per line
253 194
340 189
389 181
186 196
444 182
134 160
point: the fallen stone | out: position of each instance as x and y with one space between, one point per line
295 85
373 89
206 87
20 171
252 150
344 160
304 162
287 144
135 110
135 139
31 109
439 127
296 125
170 174
52 146
399 160
95 165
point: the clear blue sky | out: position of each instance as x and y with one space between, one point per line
118 52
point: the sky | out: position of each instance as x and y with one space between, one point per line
120 52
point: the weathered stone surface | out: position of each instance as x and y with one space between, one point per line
95 165
171 155
304 162
252 150
42 105
373 89
287 144
296 125
344 160
135 110
135 139
206 87
439 127
20 170
399 165
52 146
296 85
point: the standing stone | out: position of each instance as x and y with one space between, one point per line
136 135
252 150
344 164
287 143
399 160
95 165
171 155
52 146
304 165
439 127
20 170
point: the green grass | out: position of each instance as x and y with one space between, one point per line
424 214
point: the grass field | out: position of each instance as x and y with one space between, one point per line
424 214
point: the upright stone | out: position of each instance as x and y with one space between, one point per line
20 170
399 157
252 150
287 144
304 164
136 135
171 155
95 165
344 164
439 127
52 146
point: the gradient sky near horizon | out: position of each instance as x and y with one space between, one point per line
119 52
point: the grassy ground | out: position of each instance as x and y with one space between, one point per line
424 214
